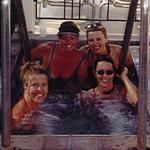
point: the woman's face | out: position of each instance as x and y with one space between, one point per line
37 87
68 41
96 41
104 74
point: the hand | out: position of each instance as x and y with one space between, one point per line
124 73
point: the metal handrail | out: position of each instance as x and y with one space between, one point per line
60 3
143 71
5 59
123 4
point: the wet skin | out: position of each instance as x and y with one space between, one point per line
36 88
105 81
65 57
35 91
97 42
68 41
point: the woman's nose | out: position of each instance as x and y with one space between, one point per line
95 42
40 87
105 74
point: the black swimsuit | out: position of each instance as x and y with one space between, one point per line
65 85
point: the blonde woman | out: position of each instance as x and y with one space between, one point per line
35 83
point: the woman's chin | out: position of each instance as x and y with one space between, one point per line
105 86
38 99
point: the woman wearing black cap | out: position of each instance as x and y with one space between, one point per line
64 62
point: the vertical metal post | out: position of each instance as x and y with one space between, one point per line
6 90
143 84
127 33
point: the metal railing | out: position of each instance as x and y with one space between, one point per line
76 8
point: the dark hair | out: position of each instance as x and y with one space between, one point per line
68 26
95 27
106 58
30 68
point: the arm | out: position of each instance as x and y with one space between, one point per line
132 90
18 112
42 53
132 72
83 68
41 50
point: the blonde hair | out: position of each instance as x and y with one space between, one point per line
30 68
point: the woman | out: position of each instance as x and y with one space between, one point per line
112 100
35 83
66 65
98 45
105 74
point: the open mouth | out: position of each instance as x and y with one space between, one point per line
68 46
105 82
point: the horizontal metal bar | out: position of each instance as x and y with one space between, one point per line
87 19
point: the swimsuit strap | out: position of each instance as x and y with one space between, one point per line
50 58
108 49
75 72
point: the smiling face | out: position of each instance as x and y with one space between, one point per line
96 40
104 74
36 88
68 41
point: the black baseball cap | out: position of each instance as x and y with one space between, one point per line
68 26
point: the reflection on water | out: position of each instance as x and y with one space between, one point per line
121 116
59 115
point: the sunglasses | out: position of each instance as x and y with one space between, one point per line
94 27
108 72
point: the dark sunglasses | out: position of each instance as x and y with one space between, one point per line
93 27
108 72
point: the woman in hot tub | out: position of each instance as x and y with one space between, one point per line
111 100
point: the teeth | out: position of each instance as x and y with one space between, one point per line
68 46
40 94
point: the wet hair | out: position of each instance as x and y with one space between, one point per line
30 68
68 26
95 27
106 58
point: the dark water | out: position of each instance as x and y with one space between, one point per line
121 117
59 115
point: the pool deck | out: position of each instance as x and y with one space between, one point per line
73 142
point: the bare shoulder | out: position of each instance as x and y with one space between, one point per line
84 48
45 45
18 110
19 106
115 47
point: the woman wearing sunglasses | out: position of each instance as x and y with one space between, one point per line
108 82
112 104
98 45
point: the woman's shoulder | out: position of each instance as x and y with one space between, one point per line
84 48
115 48
18 109
46 45
88 94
